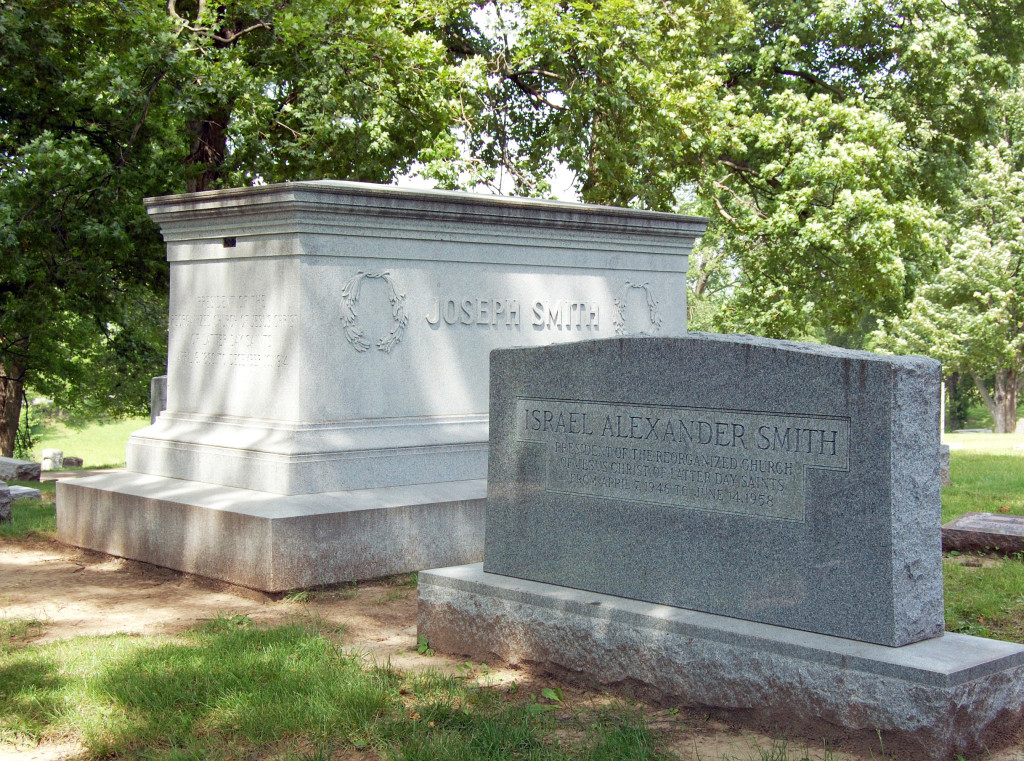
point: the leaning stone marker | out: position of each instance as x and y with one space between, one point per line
326 412
733 523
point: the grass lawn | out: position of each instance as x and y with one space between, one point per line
987 474
100 444
984 593
229 689
33 517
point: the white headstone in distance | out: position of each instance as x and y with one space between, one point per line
52 459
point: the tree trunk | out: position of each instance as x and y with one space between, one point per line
209 148
1002 401
10 406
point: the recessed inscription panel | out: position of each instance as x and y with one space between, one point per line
230 331
747 462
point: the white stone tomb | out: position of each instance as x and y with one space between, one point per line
327 370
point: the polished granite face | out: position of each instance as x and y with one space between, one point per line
784 483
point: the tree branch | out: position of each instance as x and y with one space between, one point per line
229 37
722 211
142 117
746 170
813 79
224 37
516 78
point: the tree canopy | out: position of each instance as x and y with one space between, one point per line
828 141
971 315
825 140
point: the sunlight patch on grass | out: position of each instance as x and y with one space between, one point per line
100 444
985 443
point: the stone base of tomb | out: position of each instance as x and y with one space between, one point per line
934 699
273 542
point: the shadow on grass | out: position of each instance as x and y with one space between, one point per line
230 684
230 688
32 693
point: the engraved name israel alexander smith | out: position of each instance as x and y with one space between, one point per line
735 461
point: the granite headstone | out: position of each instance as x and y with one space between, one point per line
790 484
731 524
12 469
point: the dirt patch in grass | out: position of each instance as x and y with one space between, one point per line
74 592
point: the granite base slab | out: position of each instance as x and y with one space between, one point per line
934 699
272 542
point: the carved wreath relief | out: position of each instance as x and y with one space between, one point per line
619 318
350 319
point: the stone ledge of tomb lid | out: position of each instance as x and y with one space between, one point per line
302 438
522 246
348 199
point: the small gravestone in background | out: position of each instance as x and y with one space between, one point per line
72 462
730 523
944 465
5 503
52 459
18 470
25 493
157 397
984 531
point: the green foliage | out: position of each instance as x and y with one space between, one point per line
423 646
82 289
971 317
841 155
325 90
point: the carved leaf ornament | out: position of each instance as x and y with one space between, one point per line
619 318
350 318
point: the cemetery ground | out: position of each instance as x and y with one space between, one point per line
106 658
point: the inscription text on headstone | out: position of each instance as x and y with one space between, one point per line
747 462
